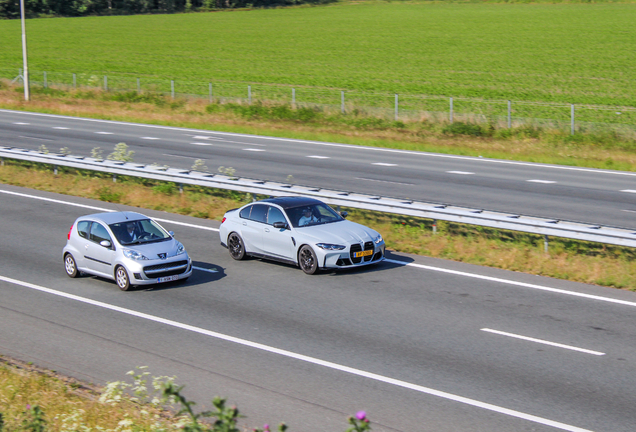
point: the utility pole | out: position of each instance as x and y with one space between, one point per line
27 97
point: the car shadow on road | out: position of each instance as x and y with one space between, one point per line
202 273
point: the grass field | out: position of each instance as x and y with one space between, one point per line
566 53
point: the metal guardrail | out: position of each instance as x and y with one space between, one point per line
480 217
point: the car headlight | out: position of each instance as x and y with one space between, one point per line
378 239
329 246
180 249
128 253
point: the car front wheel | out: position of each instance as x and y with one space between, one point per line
307 260
235 246
122 279
70 266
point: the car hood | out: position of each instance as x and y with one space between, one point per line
152 250
343 232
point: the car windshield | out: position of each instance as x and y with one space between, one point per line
138 232
315 214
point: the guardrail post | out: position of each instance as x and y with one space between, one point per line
181 188
55 169
451 109
434 226
545 243
114 178
1 161
509 114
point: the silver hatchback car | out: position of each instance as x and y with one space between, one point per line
128 247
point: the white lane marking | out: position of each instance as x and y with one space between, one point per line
149 138
512 282
201 144
326 144
384 181
302 357
460 172
319 157
629 190
629 211
34 138
60 127
541 181
205 270
104 133
253 150
383 164
104 209
21 123
403 263
541 341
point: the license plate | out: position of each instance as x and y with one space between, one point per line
168 279
363 253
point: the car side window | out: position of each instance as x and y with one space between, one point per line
259 213
82 228
98 233
245 213
275 215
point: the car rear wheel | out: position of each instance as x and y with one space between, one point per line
70 266
307 260
122 279
235 246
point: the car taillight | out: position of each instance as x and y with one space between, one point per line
69 233
223 220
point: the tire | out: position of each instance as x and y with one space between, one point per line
307 260
70 266
235 246
122 279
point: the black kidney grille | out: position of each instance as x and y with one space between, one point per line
357 248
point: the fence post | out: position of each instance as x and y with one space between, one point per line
114 178
451 109
172 88
434 226
249 94
210 91
105 83
545 243
572 119
509 115
342 108
396 107
74 81
293 98
45 82
138 86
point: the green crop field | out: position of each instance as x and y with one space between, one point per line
580 53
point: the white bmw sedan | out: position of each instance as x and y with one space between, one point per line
301 231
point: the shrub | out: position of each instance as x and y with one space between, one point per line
460 128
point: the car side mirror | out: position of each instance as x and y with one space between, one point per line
343 214
280 225
171 233
105 243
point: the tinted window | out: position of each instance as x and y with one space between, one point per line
99 233
245 213
275 215
259 213
82 228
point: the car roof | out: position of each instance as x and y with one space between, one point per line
292 201
114 217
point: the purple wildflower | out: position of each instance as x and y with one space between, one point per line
361 415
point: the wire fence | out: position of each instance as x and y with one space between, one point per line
399 107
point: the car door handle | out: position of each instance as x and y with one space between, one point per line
266 229
244 223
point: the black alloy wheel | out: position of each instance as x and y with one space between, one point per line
307 260
235 246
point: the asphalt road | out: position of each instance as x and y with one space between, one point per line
598 197
420 344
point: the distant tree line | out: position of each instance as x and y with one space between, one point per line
71 8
